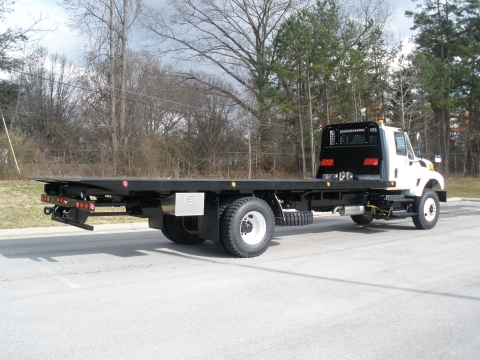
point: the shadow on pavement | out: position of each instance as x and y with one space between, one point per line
140 243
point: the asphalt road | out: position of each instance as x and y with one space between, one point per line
331 290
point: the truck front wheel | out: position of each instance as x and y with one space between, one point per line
182 230
427 210
247 227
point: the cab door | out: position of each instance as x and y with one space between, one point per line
403 172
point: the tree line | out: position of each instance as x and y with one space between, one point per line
237 88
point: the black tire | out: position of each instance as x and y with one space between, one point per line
224 204
182 229
295 218
363 219
247 227
427 210
165 230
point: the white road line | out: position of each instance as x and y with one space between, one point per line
59 278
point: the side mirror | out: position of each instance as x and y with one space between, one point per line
419 146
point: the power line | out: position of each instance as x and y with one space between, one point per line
121 97
113 94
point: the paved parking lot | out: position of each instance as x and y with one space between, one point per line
330 290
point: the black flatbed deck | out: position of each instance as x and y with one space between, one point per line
126 186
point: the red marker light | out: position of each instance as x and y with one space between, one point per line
91 206
370 162
327 162
125 184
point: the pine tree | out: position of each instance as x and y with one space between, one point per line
447 40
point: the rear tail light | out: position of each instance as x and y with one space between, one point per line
79 204
370 162
85 205
327 162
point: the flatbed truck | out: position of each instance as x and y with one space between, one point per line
367 171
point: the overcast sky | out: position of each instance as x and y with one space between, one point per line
64 40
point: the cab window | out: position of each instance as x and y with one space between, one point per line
352 137
410 153
400 143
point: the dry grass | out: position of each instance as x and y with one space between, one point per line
21 206
463 187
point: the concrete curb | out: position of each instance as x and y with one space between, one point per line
457 199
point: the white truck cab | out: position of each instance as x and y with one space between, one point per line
369 151
409 172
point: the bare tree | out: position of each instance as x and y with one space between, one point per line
105 25
47 105
15 41
230 36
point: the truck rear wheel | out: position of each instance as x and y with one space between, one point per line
246 227
363 219
165 230
182 230
295 218
427 210
224 204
